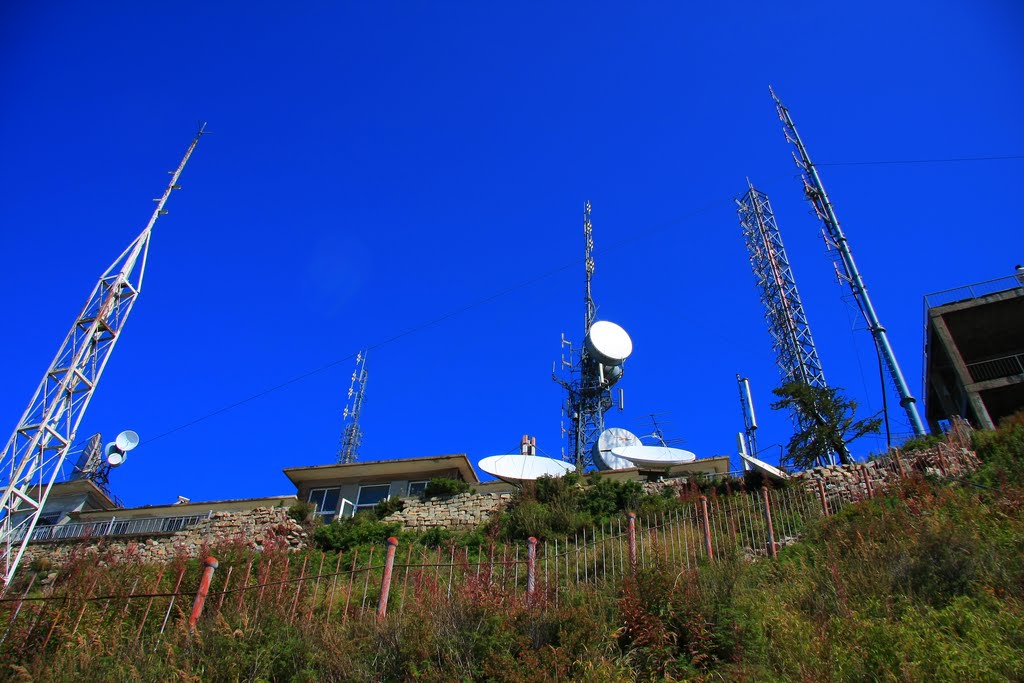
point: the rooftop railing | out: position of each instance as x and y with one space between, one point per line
113 527
974 291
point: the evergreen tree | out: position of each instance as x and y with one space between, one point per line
826 423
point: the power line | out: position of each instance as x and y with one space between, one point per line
947 160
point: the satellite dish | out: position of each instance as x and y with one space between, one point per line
114 456
608 343
613 437
126 440
654 456
517 468
612 373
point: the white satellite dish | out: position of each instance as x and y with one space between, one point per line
763 467
113 455
654 456
126 440
608 343
613 437
516 468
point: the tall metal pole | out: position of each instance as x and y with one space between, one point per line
32 458
815 191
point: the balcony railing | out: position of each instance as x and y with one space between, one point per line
1007 366
974 291
112 527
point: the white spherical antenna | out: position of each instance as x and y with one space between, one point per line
516 468
113 455
613 437
654 456
126 440
608 343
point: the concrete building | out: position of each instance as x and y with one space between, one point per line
974 352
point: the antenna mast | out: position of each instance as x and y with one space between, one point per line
35 453
584 379
835 239
795 352
749 419
352 434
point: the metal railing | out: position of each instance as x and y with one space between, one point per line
1007 366
974 291
114 527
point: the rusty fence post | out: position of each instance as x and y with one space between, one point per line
823 498
385 581
867 481
707 527
768 516
209 565
531 568
631 529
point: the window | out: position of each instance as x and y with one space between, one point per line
326 501
416 488
371 495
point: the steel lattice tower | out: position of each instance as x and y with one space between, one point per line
352 433
35 453
795 352
588 397
835 239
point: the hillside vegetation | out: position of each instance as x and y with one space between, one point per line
924 584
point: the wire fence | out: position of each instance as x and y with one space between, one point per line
146 601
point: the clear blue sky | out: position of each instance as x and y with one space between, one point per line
375 166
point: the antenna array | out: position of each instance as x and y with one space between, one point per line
352 433
795 351
35 453
846 268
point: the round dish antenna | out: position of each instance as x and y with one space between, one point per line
613 437
126 440
113 455
516 468
608 343
653 456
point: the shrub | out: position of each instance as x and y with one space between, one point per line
444 486
388 506
347 533
302 511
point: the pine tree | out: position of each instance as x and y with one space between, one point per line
826 423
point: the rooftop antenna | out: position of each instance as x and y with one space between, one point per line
35 453
749 419
795 351
352 434
588 373
846 268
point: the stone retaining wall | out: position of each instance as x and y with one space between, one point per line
462 511
257 529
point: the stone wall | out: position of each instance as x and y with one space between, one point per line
257 529
462 511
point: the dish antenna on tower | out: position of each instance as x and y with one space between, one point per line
116 452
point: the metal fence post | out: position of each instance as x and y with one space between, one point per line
768 516
209 565
823 498
385 581
531 568
707 527
631 516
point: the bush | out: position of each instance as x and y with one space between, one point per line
388 506
302 511
444 486
1001 453
345 534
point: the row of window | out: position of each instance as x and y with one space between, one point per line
330 504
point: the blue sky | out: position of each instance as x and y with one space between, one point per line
377 166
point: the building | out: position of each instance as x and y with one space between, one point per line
339 490
974 352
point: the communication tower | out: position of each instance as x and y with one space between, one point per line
35 453
846 268
352 433
588 373
795 352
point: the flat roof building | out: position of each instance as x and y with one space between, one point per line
974 352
